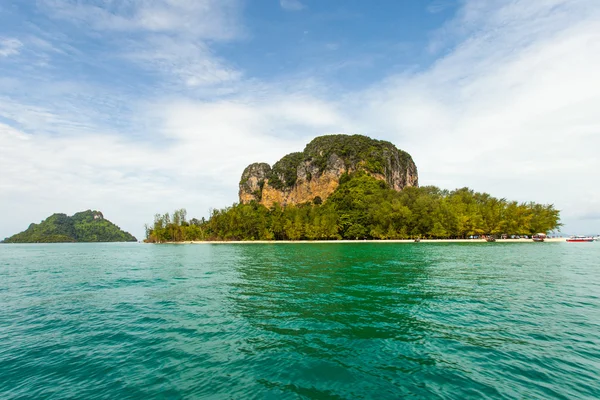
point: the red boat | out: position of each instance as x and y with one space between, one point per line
580 239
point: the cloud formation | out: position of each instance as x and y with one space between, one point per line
9 46
206 19
167 36
510 109
509 106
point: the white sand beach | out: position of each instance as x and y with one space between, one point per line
548 240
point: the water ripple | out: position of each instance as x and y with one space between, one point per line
322 321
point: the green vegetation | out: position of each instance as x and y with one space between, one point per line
365 208
176 228
86 226
372 155
354 149
284 172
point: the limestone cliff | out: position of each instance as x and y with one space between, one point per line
313 175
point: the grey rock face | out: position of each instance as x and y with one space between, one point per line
252 181
315 172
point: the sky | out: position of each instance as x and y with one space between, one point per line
141 107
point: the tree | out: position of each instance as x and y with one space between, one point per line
363 207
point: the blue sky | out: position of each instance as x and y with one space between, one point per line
138 107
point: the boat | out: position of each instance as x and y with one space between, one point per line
539 237
490 239
580 239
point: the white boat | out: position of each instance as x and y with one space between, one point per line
580 239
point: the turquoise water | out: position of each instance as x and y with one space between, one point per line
322 321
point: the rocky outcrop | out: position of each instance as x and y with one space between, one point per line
314 174
253 180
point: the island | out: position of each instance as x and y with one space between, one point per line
352 187
85 226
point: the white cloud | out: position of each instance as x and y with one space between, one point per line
510 109
291 5
206 19
192 157
9 47
172 35
191 62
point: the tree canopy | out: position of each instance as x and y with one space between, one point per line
363 207
86 226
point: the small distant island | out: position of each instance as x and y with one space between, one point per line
351 187
85 226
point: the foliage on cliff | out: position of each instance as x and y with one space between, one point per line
284 172
299 177
372 154
366 208
86 226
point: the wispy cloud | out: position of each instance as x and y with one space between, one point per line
509 108
191 62
191 155
437 6
206 19
9 47
166 36
291 5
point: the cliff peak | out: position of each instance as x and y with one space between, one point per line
315 172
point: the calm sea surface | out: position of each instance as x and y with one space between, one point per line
287 321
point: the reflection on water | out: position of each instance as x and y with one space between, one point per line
294 320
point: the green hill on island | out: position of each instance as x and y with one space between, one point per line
352 187
85 226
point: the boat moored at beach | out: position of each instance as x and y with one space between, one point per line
539 237
580 239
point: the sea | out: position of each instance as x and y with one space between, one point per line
300 321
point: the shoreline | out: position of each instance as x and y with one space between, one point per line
549 240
